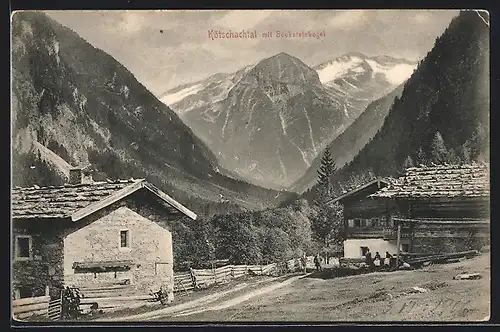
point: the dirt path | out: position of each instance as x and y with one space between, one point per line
213 302
241 298
184 306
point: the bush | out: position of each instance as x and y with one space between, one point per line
237 241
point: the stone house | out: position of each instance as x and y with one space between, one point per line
438 209
89 232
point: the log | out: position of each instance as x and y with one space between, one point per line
103 288
30 300
100 300
32 313
434 258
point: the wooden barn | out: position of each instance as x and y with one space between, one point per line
90 233
436 209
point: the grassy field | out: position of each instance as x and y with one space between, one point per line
380 296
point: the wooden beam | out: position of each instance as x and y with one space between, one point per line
169 200
443 221
86 211
398 244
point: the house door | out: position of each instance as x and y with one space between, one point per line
164 275
162 271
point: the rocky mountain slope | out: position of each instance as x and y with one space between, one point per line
272 123
266 123
348 144
81 104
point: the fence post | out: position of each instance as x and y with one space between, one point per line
232 271
193 277
261 270
47 292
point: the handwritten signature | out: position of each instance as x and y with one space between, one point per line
411 305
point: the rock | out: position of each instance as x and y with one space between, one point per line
468 276
420 289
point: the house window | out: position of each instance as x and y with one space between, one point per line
404 247
357 223
23 249
375 222
350 223
124 238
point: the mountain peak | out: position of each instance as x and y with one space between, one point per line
284 68
354 55
282 56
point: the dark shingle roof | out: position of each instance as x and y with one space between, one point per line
354 190
440 181
62 201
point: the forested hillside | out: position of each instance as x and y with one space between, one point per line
442 114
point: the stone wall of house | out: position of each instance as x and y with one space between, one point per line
99 240
352 247
45 268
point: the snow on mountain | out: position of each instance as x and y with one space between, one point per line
394 71
395 74
189 96
339 68
174 97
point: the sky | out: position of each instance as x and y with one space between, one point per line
165 49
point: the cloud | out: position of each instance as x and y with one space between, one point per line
422 17
183 52
349 19
129 23
243 19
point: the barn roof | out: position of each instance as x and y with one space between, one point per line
439 181
80 200
375 183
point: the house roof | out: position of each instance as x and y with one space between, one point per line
438 181
81 200
378 181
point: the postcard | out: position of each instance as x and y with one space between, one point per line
250 166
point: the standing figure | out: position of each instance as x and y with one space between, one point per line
388 259
376 260
304 262
317 262
368 259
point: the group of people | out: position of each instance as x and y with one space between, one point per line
377 261
317 262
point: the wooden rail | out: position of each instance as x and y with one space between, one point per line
201 278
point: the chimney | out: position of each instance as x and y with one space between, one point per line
75 176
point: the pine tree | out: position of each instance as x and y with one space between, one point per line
326 222
408 162
439 153
421 158
326 170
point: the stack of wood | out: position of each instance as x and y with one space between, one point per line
421 259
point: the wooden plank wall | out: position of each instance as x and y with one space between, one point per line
24 308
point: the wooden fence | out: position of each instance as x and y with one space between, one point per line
202 278
24 308
55 308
